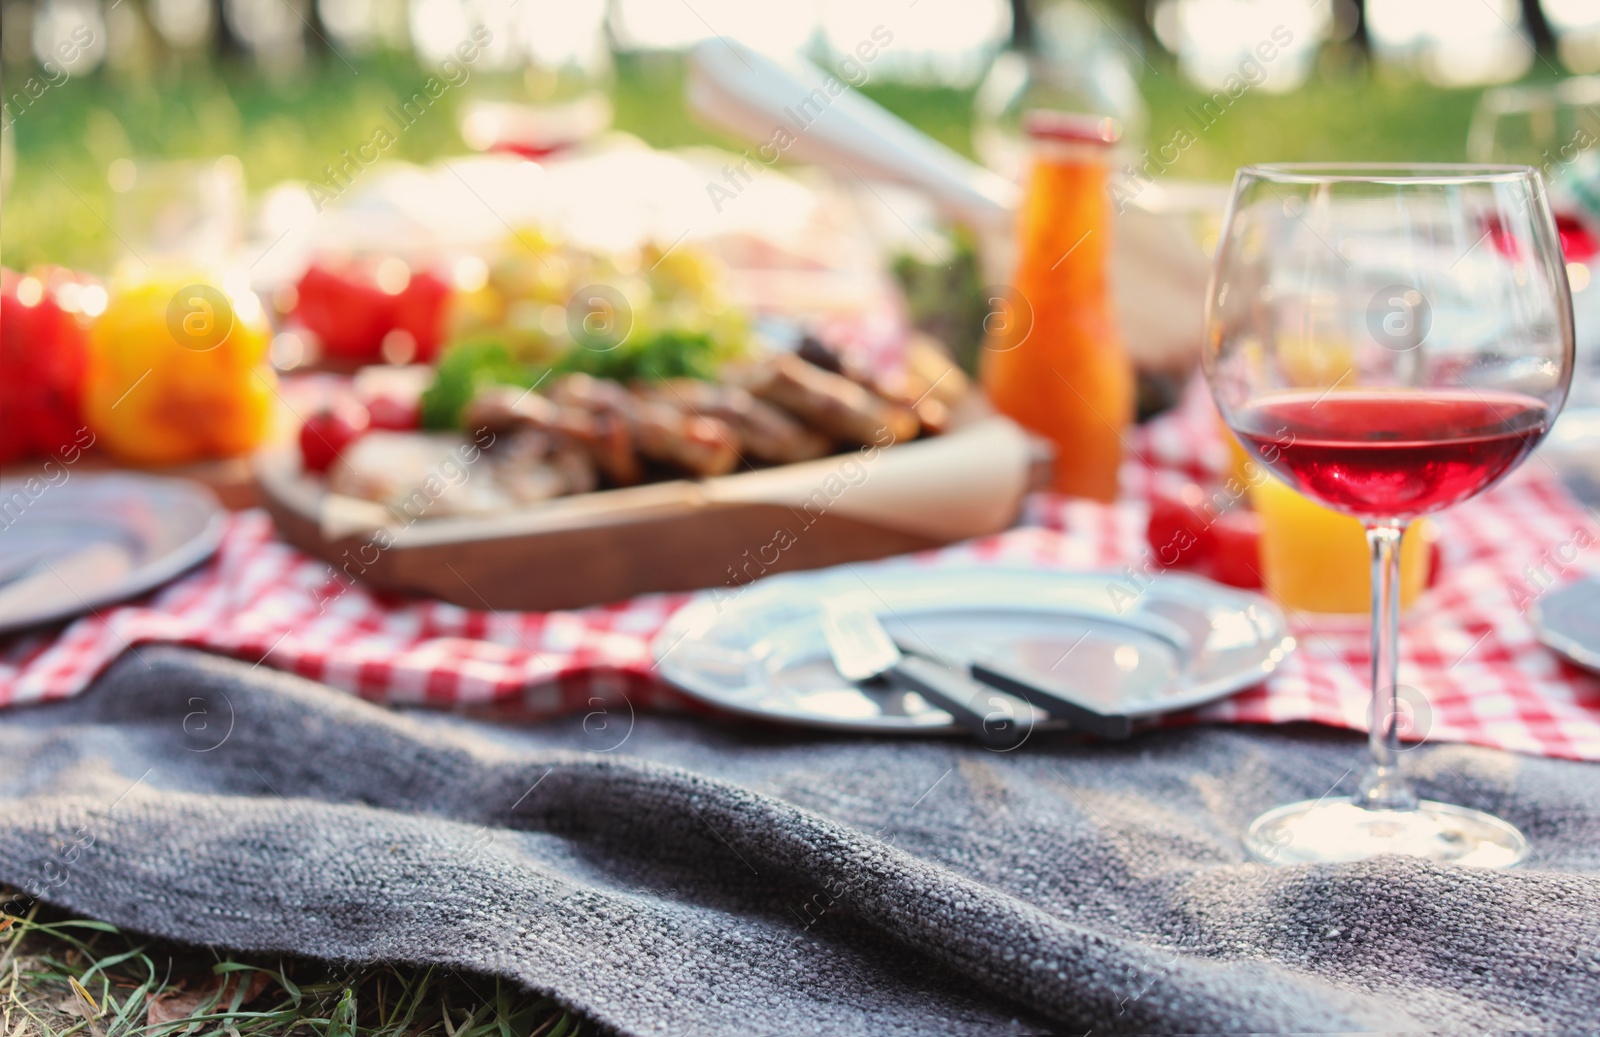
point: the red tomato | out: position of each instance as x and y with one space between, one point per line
391 412
326 433
43 353
1193 531
1237 535
1179 536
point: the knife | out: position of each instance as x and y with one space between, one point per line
1078 715
862 650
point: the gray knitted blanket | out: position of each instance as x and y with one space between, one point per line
702 878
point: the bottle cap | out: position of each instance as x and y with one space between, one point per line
1071 127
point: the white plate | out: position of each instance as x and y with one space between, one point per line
1181 642
1567 620
96 539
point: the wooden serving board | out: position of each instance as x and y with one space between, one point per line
610 545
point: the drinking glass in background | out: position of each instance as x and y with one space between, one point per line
178 213
1075 60
543 84
1389 341
1556 129
181 324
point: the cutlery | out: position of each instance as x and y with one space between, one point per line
863 651
1055 701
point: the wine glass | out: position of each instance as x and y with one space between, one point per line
1547 126
1388 340
1555 128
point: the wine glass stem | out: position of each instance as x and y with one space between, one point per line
1382 786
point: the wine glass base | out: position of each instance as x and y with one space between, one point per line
1329 831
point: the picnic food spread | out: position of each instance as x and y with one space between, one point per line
575 433
840 559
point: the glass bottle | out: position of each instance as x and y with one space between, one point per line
1053 360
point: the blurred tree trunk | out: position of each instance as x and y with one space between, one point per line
1137 14
1134 12
1544 38
317 42
227 45
1360 37
1021 26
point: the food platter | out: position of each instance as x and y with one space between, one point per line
672 536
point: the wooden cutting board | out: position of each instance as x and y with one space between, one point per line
682 535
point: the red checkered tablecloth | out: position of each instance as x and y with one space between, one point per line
1480 675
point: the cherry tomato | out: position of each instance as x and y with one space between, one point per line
392 412
1179 536
1237 559
1194 531
327 433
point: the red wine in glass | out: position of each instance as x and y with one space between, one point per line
1392 453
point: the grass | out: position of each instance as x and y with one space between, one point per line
61 976
1346 114
61 208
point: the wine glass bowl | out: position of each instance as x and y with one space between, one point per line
1390 341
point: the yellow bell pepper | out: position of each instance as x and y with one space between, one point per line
177 372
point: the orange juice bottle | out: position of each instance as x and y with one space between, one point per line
1055 364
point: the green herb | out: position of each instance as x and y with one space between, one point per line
649 357
470 366
466 369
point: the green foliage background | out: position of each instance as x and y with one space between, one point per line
59 206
